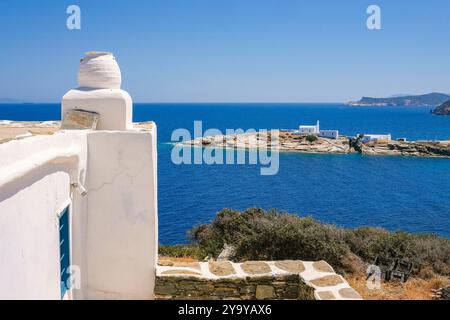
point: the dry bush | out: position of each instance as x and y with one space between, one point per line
256 234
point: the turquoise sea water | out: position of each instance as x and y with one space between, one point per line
410 194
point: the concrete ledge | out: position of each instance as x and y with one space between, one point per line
17 130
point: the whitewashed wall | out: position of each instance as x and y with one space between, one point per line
114 226
29 240
122 220
29 208
332 134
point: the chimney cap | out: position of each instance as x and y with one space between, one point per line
99 70
98 53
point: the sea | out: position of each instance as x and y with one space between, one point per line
395 193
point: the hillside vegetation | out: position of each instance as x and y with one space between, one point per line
256 234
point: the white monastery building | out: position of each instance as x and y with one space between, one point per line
376 137
315 130
78 203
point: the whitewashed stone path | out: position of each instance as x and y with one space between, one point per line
252 280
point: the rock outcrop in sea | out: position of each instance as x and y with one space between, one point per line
288 141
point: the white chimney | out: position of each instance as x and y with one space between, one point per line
99 80
99 70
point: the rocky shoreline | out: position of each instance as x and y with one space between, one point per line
288 141
414 149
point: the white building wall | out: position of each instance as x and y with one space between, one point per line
310 129
332 134
376 137
34 189
29 240
122 222
307 130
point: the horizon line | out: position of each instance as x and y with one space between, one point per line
194 102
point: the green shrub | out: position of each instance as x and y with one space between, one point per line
259 235
311 138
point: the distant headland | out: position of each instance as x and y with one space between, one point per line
426 100
11 101
443 109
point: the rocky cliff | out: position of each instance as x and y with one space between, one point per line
443 109
415 149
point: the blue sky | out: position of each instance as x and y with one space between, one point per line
229 50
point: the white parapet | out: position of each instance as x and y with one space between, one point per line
121 247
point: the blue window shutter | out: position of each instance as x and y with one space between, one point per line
64 250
